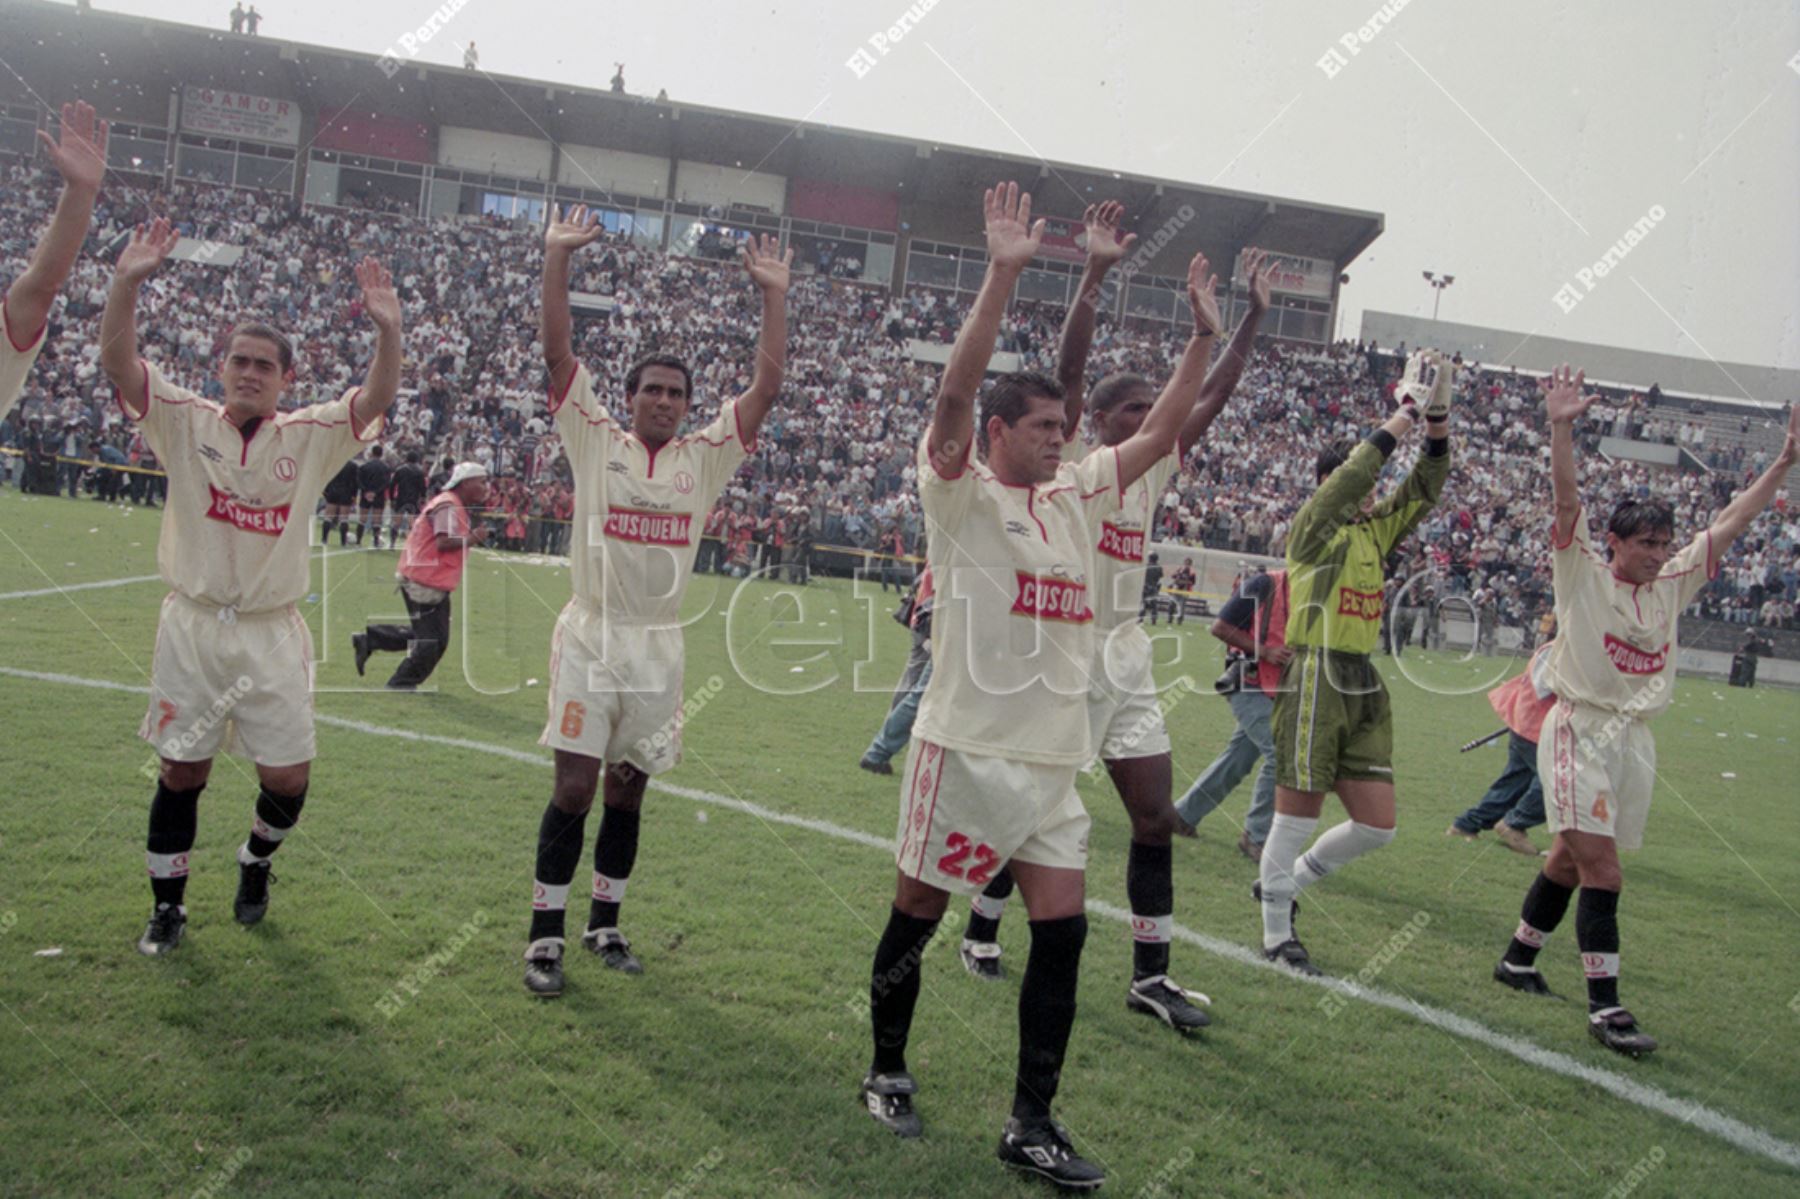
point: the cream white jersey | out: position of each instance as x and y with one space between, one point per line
638 511
234 531
1615 640
1123 543
1013 623
16 358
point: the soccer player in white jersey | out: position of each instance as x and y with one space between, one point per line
233 662
1612 668
1002 727
641 495
1124 716
80 156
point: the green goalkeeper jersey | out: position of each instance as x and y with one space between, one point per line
1334 559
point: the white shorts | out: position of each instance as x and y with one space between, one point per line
964 816
615 690
1598 769
1124 718
222 679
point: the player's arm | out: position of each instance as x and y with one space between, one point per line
768 267
1105 247
148 246
556 325
1011 241
382 384
1163 425
1222 380
1564 405
1749 503
1340 496
81 158
1433 386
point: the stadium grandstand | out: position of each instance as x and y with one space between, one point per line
276 155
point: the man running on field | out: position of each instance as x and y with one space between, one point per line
1002 727
233 656
25 311
615 663
1333 728
1612 667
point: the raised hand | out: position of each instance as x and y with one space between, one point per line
1105 244
148 246
378 296
1790 449
1258 269
1202 290
767 264
581 228
1563 401
1012 240
81 154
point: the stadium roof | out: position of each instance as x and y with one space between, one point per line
1726 381
144 60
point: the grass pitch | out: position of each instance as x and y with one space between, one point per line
372 1034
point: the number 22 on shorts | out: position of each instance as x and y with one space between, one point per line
980 871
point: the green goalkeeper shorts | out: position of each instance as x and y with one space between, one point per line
1332 721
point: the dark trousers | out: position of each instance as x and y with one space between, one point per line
1517 795
423 644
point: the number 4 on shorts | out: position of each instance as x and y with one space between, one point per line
1600 812
980 871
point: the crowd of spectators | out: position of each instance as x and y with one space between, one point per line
834 463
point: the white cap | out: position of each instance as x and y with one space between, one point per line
464 472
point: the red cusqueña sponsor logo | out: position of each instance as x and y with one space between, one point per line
650 528
1052 599
1127 545
268 521
1365 605
1632 660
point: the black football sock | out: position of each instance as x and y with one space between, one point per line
1047 1011
1597 932
559 849
1150 886
174 817
615 852
275 818
986 908
894 987
1545 903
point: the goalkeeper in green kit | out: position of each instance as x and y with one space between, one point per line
1333 727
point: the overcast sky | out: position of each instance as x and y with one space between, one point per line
1508 146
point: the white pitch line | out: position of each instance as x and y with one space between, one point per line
11 595
1733 1131
126 582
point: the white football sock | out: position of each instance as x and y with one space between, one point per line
1337 848
1287 834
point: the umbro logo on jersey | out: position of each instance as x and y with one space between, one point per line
208 452
617 467
1017 528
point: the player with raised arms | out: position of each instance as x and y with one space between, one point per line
1002 726
80 156
1333 726
233 666
1125 720
641 494
1612 667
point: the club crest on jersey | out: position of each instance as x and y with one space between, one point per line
286 469
1631 660
1127 545
1051 599
648 528
267 521
1364 605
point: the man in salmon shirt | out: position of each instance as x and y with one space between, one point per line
1515 801
430 568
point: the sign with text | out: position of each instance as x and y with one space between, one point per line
222 113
